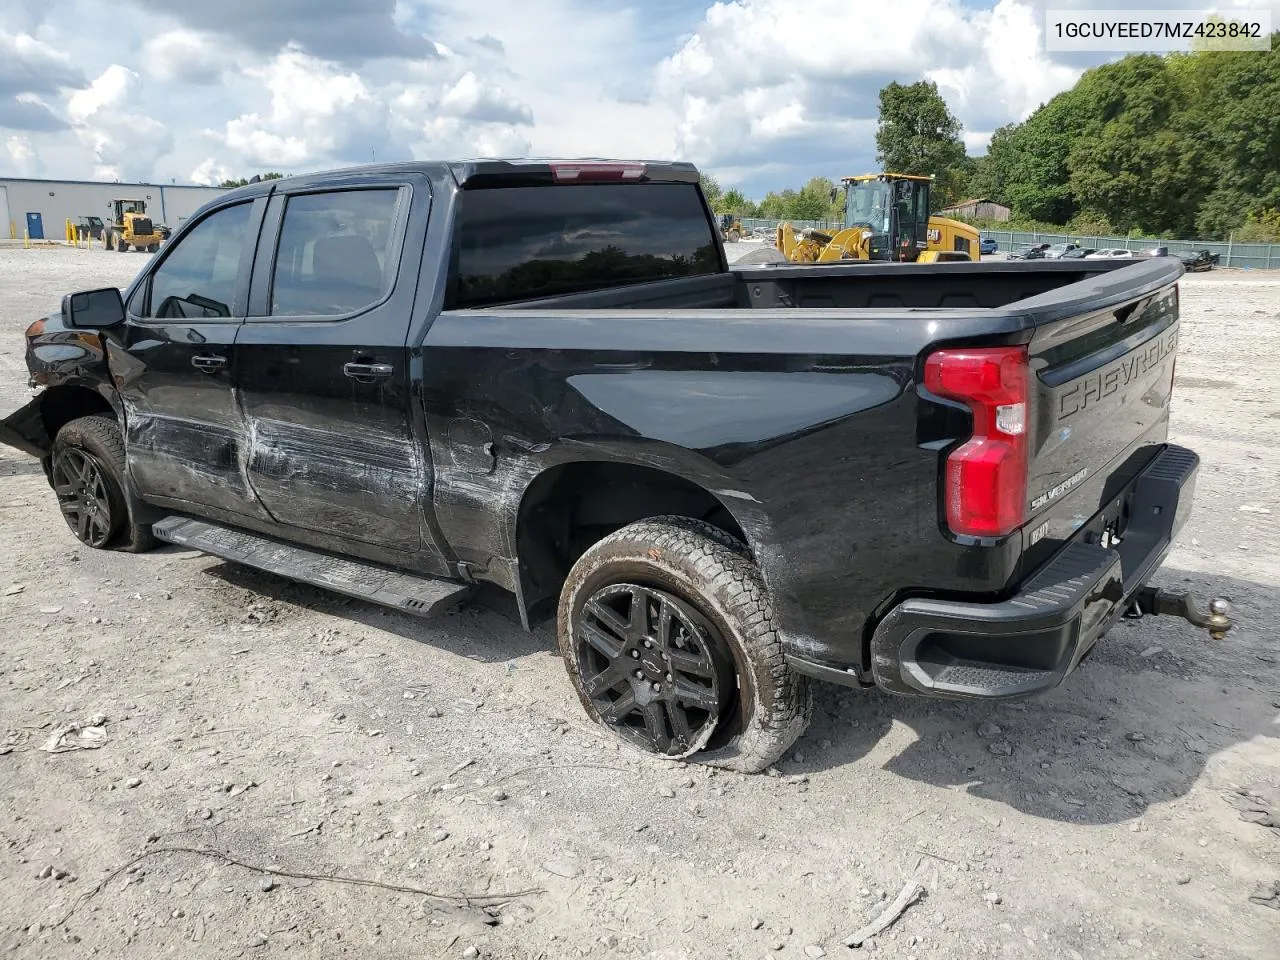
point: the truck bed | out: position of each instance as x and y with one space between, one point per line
987 284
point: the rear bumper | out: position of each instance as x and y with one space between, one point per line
1030 642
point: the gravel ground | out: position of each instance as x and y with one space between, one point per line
292 730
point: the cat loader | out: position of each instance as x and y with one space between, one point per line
731 228
131 227
886 218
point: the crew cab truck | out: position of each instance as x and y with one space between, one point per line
409 382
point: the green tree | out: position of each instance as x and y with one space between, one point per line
813 202
779 206
918 134
711 188
733 201
232 184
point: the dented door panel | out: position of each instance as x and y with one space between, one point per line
172 364
183 429
333 443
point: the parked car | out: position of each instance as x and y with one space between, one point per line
1076 253
543 377
1036 252
1059 250
1113 253
1198 261
987 245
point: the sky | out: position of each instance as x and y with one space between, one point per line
764 94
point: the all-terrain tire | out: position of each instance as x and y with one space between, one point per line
714 573
100 438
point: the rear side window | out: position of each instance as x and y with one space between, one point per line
518 243
337 253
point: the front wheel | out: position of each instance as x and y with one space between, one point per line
666 630
87 473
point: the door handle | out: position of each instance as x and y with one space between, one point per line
368 372
209 364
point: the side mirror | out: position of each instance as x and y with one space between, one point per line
93 309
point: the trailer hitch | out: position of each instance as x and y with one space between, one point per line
1153 600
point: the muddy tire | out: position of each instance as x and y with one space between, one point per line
87 471
673 612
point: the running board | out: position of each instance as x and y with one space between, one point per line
421 596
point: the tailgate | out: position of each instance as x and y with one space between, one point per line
1100 395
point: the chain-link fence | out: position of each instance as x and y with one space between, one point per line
1250 256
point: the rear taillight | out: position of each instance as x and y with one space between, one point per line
986 477
596 172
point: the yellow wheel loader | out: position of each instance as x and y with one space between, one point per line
731 228
886 218
131 227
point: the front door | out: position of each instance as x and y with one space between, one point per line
172 361
322 368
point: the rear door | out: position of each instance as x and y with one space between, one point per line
322 366
172 363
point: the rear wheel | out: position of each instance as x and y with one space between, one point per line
87 472
666 630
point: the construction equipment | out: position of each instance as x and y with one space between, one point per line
131 227
886 217
731 228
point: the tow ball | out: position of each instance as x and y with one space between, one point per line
1153 600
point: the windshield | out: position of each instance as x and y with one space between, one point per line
868 204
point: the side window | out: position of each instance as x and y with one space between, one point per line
197 279
337 253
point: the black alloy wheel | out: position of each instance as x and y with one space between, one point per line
83 496
655 669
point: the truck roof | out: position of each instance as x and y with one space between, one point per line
517 169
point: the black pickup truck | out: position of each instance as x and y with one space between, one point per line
413 382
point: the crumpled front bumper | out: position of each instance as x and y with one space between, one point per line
24 430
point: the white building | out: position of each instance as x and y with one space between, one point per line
43 207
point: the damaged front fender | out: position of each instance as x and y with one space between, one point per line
24 429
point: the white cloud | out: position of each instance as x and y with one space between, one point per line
210 172
187 56
580 67
29 65
764 93
317 111
1009 74
763 80
125 142
23 158
471 99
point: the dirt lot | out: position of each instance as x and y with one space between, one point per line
293 730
